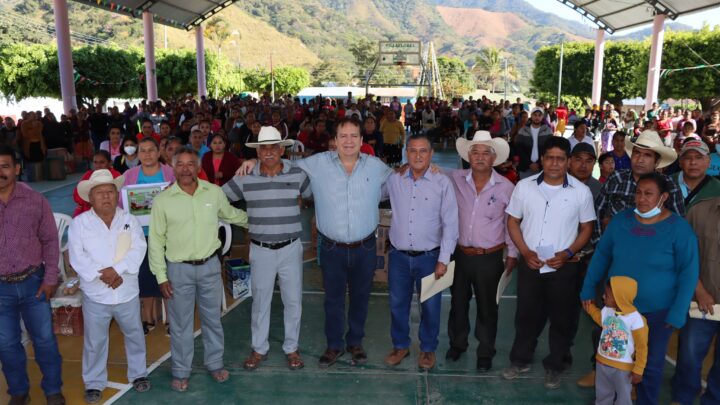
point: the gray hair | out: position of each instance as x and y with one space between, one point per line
492 150
188 151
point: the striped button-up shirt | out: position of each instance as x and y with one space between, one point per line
425 213
28 235
346 205
272 202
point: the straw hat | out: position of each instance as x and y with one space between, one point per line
98 178
650 140
501 147
269 136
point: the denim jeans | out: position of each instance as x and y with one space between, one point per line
694 344
404 276
16 301
346 269
648 391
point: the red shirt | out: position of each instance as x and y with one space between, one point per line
562 113
367 149
664 126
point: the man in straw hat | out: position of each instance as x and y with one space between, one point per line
346 186
423 234
183 249
550 220
107 246
482 196
271 192
28 279
647 154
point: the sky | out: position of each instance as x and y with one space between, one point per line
695 20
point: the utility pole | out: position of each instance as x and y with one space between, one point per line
272 80
562 52
506 77
165 35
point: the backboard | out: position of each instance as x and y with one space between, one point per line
400 53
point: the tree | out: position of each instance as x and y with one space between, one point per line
332 72
455 77
489 66
288 79
218 31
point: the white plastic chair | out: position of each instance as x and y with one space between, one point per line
62 222
296 147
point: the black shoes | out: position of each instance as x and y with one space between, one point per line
359 357
453 353
330 357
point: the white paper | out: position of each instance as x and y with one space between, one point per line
123 246
545 253
502 285
430 286
697 314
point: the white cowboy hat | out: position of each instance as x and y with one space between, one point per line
98 178
269 136
649 139
499 145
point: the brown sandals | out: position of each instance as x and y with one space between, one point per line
294 361
253 361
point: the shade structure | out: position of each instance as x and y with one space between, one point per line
186 14
614 15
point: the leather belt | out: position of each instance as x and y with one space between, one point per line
346 245
201 261
273 246
21 276
473 251
415 253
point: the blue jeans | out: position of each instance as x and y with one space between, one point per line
18 300
404 276
694 343
346 269
658 337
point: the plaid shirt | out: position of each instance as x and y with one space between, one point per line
618 193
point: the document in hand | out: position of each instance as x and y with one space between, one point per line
502 285
545 253
430 286
697 314
123 246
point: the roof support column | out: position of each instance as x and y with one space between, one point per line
200 60
149 39
598 68
64 51
656 49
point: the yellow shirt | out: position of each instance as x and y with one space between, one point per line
185 227
393 132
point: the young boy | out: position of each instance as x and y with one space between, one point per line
622 352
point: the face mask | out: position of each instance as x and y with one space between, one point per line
652 213
130 150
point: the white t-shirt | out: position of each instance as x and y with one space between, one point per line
550 191
616 340
535 154
573 141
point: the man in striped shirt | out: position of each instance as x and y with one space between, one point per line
271 192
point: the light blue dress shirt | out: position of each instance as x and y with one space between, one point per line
346 205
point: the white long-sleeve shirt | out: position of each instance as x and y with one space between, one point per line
93 246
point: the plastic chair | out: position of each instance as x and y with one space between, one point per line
223 251
296 147
62 222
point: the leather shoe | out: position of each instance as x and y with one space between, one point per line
426 361
396 356
453 353
19 399
483 365
55 399
329 357
359 356
587 381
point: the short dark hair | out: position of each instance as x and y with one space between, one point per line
150 139
187 151
605 156
659 179
620 134
418 136
115 126
104 154
8 151
345 121
557 142
578 123
144 120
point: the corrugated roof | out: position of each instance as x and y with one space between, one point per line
614 15
186 14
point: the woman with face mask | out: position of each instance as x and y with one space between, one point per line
657 248
129 155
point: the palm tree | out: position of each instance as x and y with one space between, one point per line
488 66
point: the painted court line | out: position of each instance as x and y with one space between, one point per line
127 387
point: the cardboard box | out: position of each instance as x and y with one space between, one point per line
381 251
237 278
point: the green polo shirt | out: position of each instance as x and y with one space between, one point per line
185 227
